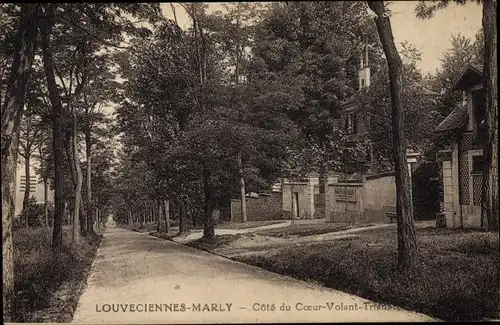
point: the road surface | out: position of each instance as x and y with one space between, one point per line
138 278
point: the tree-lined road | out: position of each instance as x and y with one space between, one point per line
133 270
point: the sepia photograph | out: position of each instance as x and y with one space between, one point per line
250 162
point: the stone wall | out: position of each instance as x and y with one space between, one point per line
342 208
266 207
448 193
364 201
379 192
305 192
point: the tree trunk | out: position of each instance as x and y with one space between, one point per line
27 156
194 217
197 46
75 174
88 152
11 111
166 203
65 220
26 197
240 153
8 212
45 201
490 210
58 130
159 228
407 245
79 181
208 224
242 189
182 221
158 213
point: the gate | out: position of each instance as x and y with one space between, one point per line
427 191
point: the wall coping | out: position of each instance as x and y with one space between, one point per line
347 184
381 175
296 183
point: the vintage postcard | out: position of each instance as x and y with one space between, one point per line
249 162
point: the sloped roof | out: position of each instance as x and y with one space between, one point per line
455 120
470 76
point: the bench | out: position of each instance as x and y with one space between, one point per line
390 212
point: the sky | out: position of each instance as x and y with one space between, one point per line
431 37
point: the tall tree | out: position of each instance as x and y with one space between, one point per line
240 22
312 50
490 189
104 24
12 108
407 244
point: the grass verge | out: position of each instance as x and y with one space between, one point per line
302 230
49 286
211 244
455 278
161 235
248 224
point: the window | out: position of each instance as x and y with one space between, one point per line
362 82
32 185
477 164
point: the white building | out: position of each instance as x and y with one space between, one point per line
36 184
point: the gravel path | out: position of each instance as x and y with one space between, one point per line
179 284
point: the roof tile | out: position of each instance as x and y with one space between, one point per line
455 120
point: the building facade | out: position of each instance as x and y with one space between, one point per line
463 162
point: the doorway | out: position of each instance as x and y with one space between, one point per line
426 191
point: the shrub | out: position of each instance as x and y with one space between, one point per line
39 273
35 213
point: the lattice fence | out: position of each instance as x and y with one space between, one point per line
477 187
465 145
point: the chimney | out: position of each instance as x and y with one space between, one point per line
364 72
